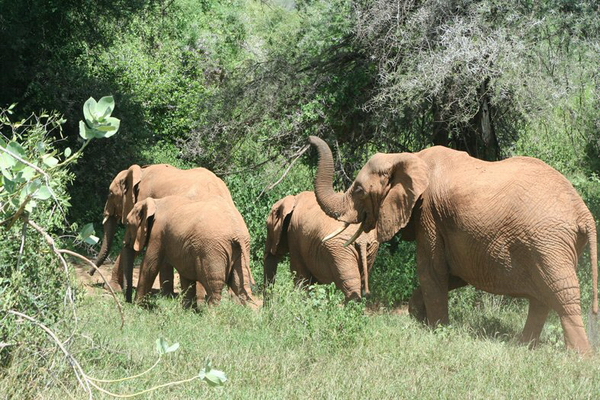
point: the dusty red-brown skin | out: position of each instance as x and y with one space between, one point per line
515 227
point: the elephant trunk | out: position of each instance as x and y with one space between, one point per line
336 205
110 227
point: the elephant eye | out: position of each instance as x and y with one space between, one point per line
359 190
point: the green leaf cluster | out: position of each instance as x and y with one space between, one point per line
98 122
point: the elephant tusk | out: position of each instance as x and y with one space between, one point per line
358 232
336 232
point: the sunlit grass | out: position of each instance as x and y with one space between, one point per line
307 346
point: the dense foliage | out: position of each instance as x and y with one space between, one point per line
236 86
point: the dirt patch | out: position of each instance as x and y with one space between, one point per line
95 284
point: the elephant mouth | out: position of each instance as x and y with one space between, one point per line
362 228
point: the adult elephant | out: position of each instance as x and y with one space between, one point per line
297 226
159 180
514 227
205 241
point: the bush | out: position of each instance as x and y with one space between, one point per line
394 275
31 277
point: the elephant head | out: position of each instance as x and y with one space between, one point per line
382 196
122 195
276 245
277 225
139 224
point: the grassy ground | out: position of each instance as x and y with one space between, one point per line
308 347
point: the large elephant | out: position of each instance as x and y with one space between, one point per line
297 226
205 241
515 227
137 183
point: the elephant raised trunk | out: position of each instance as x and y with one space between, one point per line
336 205
110 227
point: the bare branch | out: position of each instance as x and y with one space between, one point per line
110 289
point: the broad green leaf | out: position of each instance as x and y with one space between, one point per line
163 347
115 123
92 240
7 161
16 148
68 151
105 106
172 348
89 109
9 185
212 376
86 231
49 160
88 133
43 193
105 128
83 130
30 188
28 173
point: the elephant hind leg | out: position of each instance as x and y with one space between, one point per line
575 335
214 290
561 293
536 317
166 276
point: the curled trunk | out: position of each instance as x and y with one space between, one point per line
334 204
110 227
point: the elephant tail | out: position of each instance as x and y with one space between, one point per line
593 242
241 271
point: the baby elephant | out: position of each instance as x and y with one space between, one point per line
205 241
297 226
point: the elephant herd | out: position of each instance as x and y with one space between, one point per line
515 227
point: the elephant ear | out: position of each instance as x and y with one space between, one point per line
277 225
409 178
138 223
131 188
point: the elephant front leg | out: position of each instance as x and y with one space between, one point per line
116 277
434 279
147 275
416 304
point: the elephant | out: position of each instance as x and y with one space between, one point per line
159 180
515 227
297 225
205 241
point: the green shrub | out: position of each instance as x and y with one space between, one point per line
393 277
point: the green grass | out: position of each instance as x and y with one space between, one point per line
307 346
